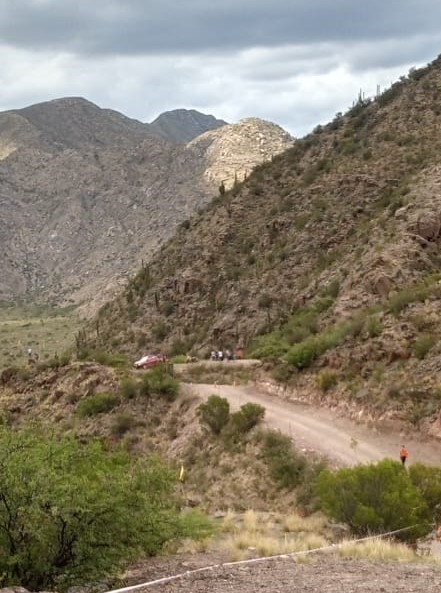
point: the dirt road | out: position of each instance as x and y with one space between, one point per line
315 429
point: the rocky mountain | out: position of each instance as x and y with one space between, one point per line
325 262
229 150
86 194
182 125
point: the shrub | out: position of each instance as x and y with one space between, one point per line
128 388
161 331
374 327
270 346
326 380
107 358
428 482
158 381
374 498
79 512
97 404
121 424
303 355
423 344
265 301
247 417
324 304
405 297
215 413
283 372
286 466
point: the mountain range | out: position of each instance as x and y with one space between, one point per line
87 194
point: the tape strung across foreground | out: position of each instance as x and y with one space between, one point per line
254 560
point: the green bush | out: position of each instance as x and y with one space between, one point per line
97 404
215 413
374 326
423 344
304 354
428 481
324 303
107 358
128 388
374 498
247 417
332 289
75 514
270 346
405 297
158 381
286 466
283 372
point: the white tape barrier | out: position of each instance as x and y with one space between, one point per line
254 560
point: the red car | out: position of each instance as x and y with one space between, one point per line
149 360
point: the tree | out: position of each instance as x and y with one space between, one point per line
73 513
374 498
215 413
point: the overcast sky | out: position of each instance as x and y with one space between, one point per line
294 62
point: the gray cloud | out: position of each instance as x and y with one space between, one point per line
295 62
139 26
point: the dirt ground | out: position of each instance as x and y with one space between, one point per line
340 439
324 573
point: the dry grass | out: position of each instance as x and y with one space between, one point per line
261 535
294 523
377 549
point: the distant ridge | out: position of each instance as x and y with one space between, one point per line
182 125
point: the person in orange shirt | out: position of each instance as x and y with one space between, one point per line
404 454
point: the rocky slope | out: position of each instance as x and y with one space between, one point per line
86 194
325 260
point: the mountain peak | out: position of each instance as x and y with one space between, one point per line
182 125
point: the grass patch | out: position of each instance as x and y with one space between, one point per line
377 549
423 344
48 331
294 523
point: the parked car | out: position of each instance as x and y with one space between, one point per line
149 360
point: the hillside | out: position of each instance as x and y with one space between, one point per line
325 261
87 195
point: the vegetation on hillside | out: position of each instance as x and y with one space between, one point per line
324 262
74 513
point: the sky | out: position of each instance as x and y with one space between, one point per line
293 62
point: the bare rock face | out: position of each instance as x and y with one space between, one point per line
232 151
426 224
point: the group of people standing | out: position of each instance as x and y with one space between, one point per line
222 355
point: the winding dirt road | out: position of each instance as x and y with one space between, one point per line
315 429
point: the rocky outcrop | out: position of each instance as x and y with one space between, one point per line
231 152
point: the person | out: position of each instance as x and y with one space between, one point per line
404 454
